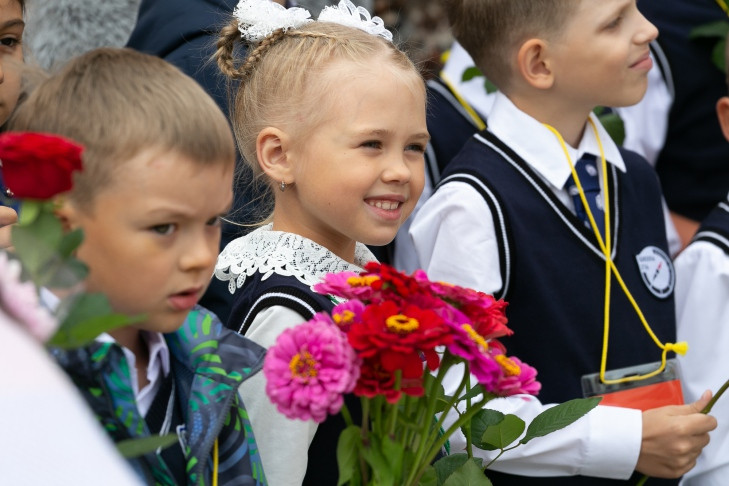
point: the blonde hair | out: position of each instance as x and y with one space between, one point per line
118 102
278 82
492 30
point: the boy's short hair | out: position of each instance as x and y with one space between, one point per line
118 102
491 30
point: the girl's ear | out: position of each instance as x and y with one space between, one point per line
534 65
272 147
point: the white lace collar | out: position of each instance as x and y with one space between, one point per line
267 252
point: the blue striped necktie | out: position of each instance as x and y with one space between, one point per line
587 172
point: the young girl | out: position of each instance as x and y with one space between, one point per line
332 118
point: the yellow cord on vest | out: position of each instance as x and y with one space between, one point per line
471 112
605 246
215 463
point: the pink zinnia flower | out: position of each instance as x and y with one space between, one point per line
518 377
309 370
20 301
347 285
472 347
347 313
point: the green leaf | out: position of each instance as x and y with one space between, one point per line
348 446
718 56
379 466
429 477
558 417
499 436
132 448
469 474
394 452
484 419
446 466
28 212
614 126
473 392
719 29
489 86
470 73
70 242
88 316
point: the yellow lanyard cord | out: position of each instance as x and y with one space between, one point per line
723 6
471 112
605 246
215 463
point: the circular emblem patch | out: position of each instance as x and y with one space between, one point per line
657 271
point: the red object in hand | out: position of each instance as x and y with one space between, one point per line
37 165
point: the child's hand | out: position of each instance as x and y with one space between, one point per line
673 437
7 217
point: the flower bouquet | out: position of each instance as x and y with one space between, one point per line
394 340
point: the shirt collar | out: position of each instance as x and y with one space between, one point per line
538 146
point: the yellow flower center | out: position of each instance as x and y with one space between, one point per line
401 323
303 365
477 338
511 368
362 281
345 317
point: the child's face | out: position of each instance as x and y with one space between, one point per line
601 57
11 55
152 236
359 173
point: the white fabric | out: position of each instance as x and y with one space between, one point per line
283 443
347 13
607 442
49 435
266 251
702 303
257 19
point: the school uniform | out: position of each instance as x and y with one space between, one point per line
271 274
702 303
502 222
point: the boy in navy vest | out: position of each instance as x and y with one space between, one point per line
702 287
504 220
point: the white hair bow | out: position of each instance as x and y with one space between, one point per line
257 19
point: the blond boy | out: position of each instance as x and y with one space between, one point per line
158 171
504 221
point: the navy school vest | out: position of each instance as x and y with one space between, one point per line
252 298
553 273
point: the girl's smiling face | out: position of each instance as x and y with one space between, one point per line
358 174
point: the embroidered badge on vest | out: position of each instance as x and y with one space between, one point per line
657 271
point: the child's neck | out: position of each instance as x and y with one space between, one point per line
343 248
132 339
568 120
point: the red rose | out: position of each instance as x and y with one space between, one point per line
36 165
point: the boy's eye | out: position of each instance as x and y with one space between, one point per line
163 229
615 23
